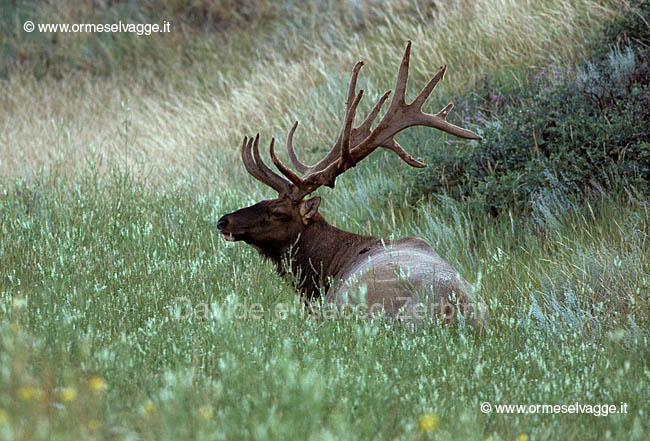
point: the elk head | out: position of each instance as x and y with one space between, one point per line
274 225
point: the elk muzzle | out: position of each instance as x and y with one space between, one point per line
222 226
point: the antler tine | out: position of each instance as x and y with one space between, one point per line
438 121
300 166
248 161
399 98
351 104
352 87
297 180
274 180
403 154
418 102
347 128
256 167
335 152
367 123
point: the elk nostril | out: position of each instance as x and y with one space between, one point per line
222 224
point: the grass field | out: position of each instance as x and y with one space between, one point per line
124 315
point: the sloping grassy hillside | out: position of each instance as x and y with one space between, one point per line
124 315
173 112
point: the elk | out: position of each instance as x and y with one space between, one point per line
404 278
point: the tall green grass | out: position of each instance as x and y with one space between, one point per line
93 269
122 310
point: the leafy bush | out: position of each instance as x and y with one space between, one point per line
632 28
578 131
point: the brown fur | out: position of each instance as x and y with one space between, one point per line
405 278
397 277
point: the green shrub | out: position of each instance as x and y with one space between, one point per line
631 28
578 132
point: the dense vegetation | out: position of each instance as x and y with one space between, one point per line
557 132
118 155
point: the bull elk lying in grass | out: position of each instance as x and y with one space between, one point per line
403 278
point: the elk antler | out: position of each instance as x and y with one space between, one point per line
256 167
355 144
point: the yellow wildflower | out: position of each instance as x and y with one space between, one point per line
68 394
26 393
148 407
205 411
97 384
428 422
3 416
522 437
93 425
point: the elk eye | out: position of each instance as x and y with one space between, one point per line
278 215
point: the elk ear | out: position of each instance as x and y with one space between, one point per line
309 208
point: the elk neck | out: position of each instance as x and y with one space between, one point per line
319 255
